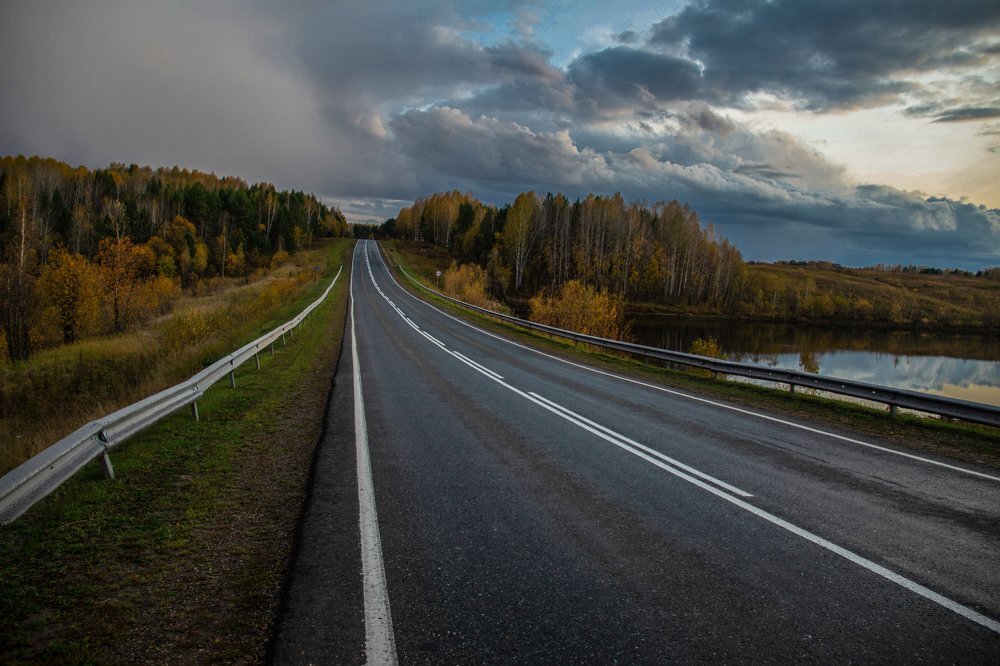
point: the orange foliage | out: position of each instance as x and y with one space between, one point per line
468 283
581 308
68 286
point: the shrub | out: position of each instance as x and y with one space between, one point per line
581 308
468 283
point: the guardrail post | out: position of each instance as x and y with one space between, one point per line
272 349
892 410
791 388
106 467
232 379
257 358
283 343
194 410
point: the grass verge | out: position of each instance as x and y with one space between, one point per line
959 441
60 389
182 556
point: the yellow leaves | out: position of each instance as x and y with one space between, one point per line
68 287
581 308
468 283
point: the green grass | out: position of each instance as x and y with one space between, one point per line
961 441
182 555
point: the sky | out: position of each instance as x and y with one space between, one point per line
856 131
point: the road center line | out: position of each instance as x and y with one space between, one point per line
688 396
380 642
851 556
653 452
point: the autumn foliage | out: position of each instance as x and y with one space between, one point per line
468 283
99 252
581 308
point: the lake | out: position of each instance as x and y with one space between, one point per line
956 365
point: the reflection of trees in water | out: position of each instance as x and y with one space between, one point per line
739 339
808 362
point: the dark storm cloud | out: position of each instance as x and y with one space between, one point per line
624 78
627 37
118 80
494 151
826 54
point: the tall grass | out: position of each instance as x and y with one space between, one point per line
58 390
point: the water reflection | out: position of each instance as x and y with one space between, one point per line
956 365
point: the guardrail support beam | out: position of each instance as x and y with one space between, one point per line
892 410
232 379
256 357
106 467
194 410
791 388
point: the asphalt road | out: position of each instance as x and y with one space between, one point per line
530 510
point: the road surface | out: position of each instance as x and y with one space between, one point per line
475 501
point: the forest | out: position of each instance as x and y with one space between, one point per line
662 258
633 251
89 252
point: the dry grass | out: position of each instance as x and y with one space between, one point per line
823 292
61 389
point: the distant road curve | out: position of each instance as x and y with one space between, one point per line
534 510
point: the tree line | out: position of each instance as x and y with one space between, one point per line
661 255
94 251
633 251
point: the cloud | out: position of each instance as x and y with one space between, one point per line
825 54
498 154
152 84
968 113
626 79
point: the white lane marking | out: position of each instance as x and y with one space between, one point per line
863 562
643 447
600 431
477 365
688 396
380 642
433 339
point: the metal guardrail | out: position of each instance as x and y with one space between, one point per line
25 485
922 402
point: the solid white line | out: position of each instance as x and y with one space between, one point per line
477 365
863 562
430 338
661 456
688 396
380 643
433 339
